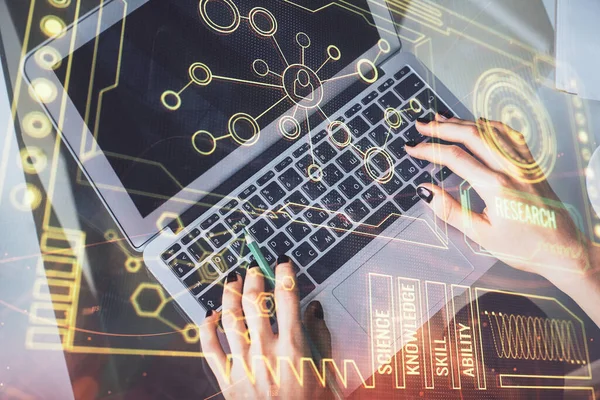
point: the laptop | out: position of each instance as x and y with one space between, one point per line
192 120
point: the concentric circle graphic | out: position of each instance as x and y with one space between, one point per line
226 29
265 14
289 127
196 70
336 127
315 172
389 172
504 96
235 124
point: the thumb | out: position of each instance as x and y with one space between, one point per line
314 322
449 210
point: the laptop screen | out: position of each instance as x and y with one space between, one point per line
173 89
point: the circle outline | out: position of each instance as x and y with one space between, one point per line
263 11
362 75
221 29
163 99
194 78
331 126
243 117
390 171
297 127
214 140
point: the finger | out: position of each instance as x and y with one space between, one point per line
515 139
468 134
232 315
211 347
287 299
459 161
314 322
449 210
454 120
255 305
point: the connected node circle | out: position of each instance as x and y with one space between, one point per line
233 127
415 105
226 29
289 127
303 86
206 135
334 52
315 172
389 172
193 72
171 100
384 46
37 125
331 127
48 58
260 67
392 118
361 64
43 90
262 12
303 40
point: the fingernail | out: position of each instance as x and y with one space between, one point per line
411 143
442 117
209 313
425 194
483 119
232 277
282 259
423 120
253 264
318 310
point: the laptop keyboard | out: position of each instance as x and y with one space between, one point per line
321 224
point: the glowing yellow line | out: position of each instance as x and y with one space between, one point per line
377 57
323 113
276 74
340 77
272 107
223 137
322 65
185 87
357 149
310 143
280 51
225 78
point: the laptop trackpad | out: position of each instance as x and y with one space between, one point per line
401 259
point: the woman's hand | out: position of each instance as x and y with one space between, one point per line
244 373
524 224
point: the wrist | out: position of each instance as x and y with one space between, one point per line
583 271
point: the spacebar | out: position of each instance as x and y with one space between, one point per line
354 242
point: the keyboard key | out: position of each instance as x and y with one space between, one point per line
273 192
407 170
279 218
386 85
412 114
413 134
380 135
373 114
316 215
213 297
380 161
237 220
201 278
225 261
280 243
396 147
362 146
255 207
219 235
296 203
333 200
325 152
331 174
265 178
358 126
200 250
290 179
365 178
239 246
181 264
318 137
442 174
337 256
429 100
261 231
402 73
304 254
407 198
301 150
389 100
353 110
232 205
284 164
380 220
348 161
350 187
322 239
425 177
190 236
374 197
429 117
247 192
313 189
304 163
298 229
409 86
170 252
208 222
340 225
357 211
392 186
268 255
305 286
369 98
